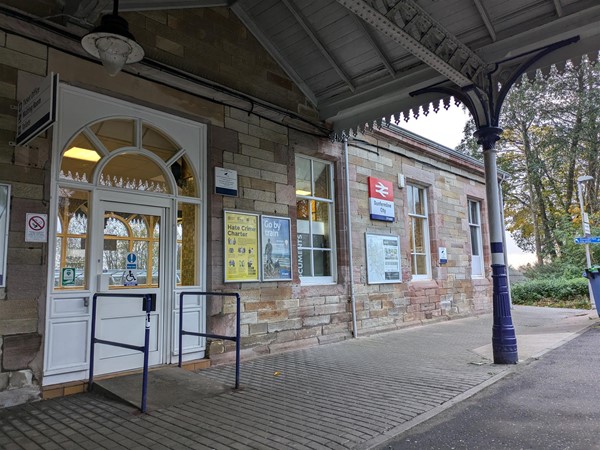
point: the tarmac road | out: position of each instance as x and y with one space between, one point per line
550 403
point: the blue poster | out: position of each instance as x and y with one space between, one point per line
276 248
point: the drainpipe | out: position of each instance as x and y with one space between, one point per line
349 232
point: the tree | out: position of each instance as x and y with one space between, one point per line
551 136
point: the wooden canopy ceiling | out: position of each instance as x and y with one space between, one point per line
359 61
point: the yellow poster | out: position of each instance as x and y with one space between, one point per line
241 247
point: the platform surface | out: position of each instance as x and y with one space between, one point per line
167 386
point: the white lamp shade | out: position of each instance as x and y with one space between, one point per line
112 43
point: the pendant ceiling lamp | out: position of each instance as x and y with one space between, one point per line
112 43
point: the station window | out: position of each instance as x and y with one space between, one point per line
476 241
419 232
314 207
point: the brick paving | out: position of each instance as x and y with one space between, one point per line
347 395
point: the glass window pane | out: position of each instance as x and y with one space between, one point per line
187 244
302 209
158 143
411 200
322 180
303 177
474 213
320 225
184 177
419 199
71 237
421 264
305 263
322 267
419 243
115 227
148 176
138 226
79 160
115 133
120 240
475 241
303 234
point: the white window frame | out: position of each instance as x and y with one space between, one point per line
476 261
319 280
425 222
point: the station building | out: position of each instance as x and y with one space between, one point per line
205 169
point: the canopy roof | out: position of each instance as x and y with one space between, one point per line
358 61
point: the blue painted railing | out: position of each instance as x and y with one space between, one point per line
235 338
148 306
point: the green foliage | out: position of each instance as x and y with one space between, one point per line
556 292
551 137
557 269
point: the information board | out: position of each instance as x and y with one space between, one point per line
383 258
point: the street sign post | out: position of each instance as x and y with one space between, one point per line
588 240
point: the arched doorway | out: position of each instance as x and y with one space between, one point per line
129 219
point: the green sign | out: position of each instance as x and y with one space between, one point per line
67 276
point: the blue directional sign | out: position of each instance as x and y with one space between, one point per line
588 240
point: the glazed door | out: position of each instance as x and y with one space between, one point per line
130 260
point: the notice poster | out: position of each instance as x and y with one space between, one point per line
276 248
241 246
383 258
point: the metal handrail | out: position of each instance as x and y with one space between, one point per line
235 338
147 306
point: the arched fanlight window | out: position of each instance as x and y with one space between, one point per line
135 167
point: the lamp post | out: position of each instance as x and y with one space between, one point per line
586 229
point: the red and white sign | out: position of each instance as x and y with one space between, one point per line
381 199
36 227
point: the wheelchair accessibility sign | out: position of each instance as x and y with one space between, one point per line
129 278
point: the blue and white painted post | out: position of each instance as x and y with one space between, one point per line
504 340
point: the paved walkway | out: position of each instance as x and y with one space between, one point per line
350 395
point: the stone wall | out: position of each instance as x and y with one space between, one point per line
275 315
450 182
26 169
285 315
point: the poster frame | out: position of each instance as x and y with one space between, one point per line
227 278
370 280
288 225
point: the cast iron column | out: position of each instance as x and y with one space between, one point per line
504 340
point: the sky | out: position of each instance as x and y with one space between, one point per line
446 127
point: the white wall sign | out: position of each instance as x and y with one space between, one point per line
36 227
37 111
383 258
226 181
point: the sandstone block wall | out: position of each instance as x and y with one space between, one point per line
26 170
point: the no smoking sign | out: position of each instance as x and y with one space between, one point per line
36 227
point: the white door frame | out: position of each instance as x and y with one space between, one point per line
68 312
160 323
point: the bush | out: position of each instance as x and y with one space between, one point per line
557 292
555 269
